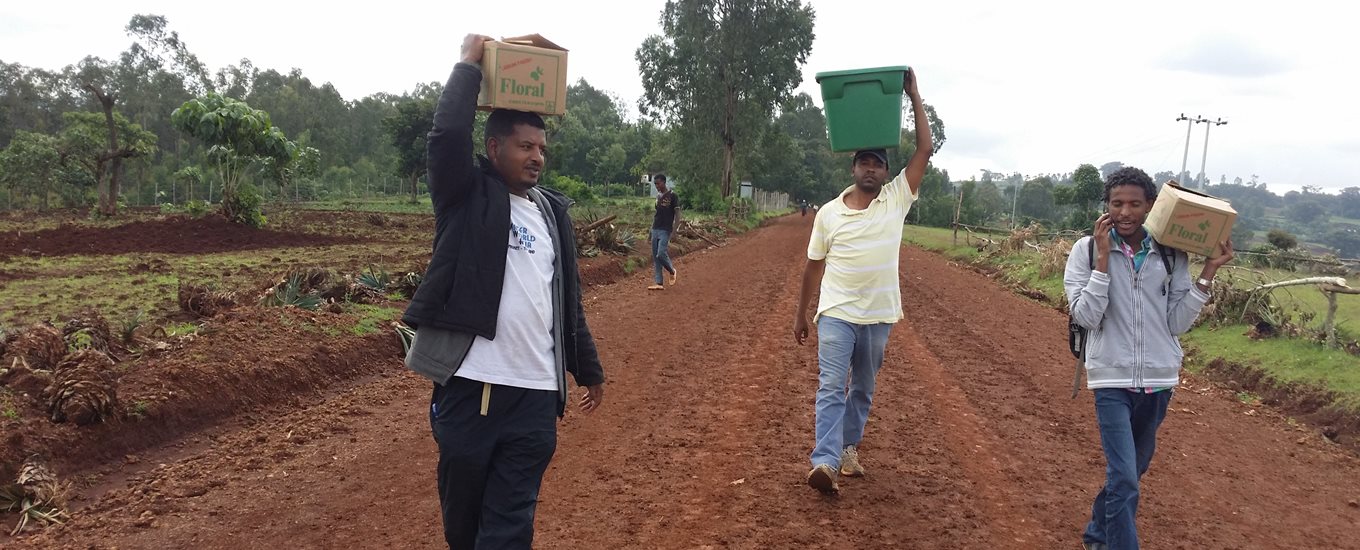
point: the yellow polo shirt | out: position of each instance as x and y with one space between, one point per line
861 249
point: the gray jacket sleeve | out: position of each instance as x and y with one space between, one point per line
1088 291
1185 300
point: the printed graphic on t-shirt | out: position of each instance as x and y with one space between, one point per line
520 238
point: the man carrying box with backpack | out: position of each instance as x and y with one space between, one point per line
1133 309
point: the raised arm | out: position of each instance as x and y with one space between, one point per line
925 146
449 143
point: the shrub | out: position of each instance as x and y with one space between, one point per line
196 208
244 206
573 188
704 198
1282 239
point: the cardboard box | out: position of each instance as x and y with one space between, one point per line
524 73
1190 220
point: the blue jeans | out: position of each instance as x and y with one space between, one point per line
1128 432
661 256
848 359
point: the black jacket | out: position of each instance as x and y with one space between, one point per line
461 290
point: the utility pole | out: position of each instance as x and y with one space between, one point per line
1190 122
1015 199
1211 124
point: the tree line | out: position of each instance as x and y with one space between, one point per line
148 127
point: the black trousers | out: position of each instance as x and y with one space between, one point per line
491 467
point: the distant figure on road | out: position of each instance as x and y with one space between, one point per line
1134 310
853 257
498 318
664 224
803 205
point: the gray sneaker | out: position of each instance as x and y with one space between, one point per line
823 478
850 462
1094 546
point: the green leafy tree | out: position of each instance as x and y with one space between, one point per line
803 121
1346 240
1282 239
238 135
408 129
98 143
1110 168
1088 187
1305 211
1036 199
722 67
29 166
190 176
1347 203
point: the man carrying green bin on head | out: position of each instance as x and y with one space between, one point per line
853 257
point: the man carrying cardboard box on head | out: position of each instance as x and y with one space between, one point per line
498 318
1134 297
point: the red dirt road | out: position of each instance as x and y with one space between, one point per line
707 424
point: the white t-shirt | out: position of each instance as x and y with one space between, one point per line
522 353
861 252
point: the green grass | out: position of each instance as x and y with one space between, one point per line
939 239
1287 360
392 204
1023 267
1295 299
372 318
8 408
62 285
180 329
138 409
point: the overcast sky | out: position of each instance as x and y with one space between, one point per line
1029 87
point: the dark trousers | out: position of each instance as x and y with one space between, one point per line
1128 432
491 467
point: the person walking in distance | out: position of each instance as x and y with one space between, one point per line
664 223
498 317
853 257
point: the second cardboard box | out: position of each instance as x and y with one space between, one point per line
1189 220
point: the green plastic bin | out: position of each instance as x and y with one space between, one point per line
863 107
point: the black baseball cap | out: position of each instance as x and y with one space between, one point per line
881 154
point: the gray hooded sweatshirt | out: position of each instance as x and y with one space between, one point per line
1133 319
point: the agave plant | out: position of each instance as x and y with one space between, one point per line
291 293
38 496
406 335
377 280
127 328
408 284
609 239
82 390
41 347
88 330
203 301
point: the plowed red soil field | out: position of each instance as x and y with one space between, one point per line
704 436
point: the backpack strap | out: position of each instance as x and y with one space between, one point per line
1168 261
1091 254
